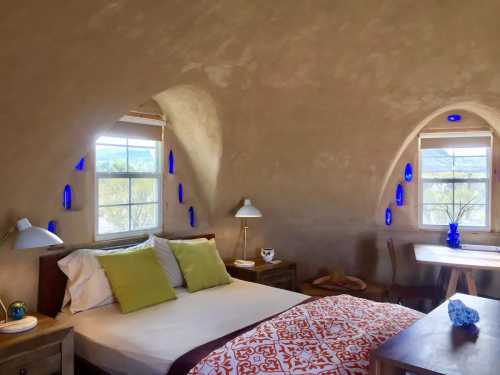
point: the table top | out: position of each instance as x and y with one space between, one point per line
433 346
445 256
260 265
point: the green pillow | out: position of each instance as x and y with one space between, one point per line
137 279
200 264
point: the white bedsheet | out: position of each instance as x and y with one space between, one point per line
150 340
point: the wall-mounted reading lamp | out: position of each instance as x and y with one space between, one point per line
28 237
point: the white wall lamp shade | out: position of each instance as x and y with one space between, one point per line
30 237
248 210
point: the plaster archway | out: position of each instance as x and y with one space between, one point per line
488 114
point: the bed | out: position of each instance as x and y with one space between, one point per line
239 328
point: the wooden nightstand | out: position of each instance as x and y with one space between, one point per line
45 350
282 275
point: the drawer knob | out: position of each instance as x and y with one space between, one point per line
23 371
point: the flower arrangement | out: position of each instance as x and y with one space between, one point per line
463 209
453 239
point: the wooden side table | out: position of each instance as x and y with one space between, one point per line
282 275
432 346
45 350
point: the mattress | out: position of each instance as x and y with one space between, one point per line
150 340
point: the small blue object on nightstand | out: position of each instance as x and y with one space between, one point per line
17 310
460 314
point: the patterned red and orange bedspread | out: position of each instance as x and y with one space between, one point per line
332 335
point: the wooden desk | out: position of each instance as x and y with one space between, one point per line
433 346
460 261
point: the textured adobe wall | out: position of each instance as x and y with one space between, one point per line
313 101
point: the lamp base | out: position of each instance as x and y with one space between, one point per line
22 325
244 263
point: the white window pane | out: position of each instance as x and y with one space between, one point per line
112 141
437 192
470 151
437 167
142 160
475 216
144 190
435 214
113 191
467 191
471 167
113 219
436 152
111 159
144 216
142 143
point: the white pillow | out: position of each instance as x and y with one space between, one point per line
168 261
87 285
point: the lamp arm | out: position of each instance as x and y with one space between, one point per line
6 235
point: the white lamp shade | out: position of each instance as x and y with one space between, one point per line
30 237
248 210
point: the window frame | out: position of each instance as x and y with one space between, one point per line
489 184
129 175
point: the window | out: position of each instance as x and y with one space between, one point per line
128 187
455 169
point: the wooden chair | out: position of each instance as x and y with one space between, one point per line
402 293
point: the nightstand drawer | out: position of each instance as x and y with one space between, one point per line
278 278
44 361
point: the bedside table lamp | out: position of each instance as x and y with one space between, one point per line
247 211
28 237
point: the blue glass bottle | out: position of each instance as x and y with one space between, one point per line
180 193
454 117
52 226
80 166
399 198
171 162
192 218
408 172
453 239
388 216
67 197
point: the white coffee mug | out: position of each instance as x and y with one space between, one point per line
267 254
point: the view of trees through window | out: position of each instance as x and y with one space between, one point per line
128 185
452 177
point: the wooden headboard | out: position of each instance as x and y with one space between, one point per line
52 281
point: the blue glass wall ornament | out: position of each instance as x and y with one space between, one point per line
408 172
81 165
52 226
66 202
388 216
171 162
399 198
454 117
180 193
192 218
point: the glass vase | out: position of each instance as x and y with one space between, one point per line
453 239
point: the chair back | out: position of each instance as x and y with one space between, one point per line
392 255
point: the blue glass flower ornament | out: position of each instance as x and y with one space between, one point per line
52 226
388 216
192 217
180 193
460 314
66 202
454 117
408 172
171 162
399 198
80 166
17 310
